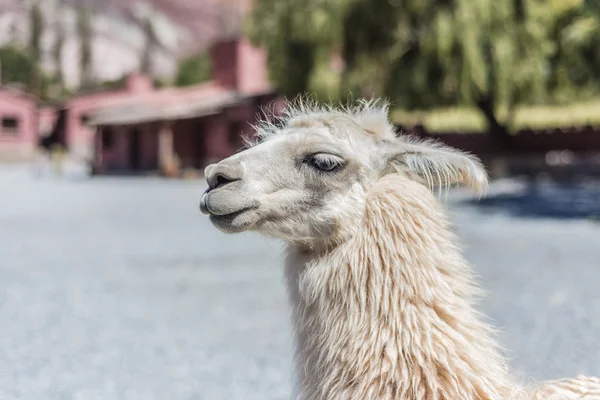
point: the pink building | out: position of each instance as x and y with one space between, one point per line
71 128
18 125
188 127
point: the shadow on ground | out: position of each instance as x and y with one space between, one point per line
558 200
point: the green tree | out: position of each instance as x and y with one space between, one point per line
192 70
575 65
17 66
284 29
18 69
489 54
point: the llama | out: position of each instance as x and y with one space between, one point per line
383 301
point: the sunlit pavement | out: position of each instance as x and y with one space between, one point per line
118 288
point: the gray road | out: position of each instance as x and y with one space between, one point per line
117 288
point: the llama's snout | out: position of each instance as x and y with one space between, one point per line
223 173
226 195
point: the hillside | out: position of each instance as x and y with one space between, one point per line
202 20
118 40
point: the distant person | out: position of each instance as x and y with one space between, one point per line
52 154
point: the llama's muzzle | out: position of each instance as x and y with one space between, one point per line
203 207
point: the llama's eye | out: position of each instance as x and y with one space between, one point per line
325 162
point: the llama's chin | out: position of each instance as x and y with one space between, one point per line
236 222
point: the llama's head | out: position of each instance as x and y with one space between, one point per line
306 179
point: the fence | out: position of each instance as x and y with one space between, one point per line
563 153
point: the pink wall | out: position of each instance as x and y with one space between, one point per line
138 83
252 73
224 60
21 107
238 65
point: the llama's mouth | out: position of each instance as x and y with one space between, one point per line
203 205
220 208
234 222
230 215
225 215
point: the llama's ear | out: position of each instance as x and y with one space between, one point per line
438 165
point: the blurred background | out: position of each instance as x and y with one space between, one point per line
113 286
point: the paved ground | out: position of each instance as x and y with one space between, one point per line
117 288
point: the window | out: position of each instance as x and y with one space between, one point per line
10 125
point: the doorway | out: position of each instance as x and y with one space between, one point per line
134 149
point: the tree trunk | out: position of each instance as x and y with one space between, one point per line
501 138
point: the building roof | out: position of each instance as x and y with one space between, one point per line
168 104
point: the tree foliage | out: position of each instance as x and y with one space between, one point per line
575 64
192 70
18 69
429 53
17 66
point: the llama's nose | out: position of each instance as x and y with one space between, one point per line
221 174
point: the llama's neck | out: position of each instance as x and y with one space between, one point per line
389 314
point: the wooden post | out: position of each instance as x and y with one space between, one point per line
166 154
